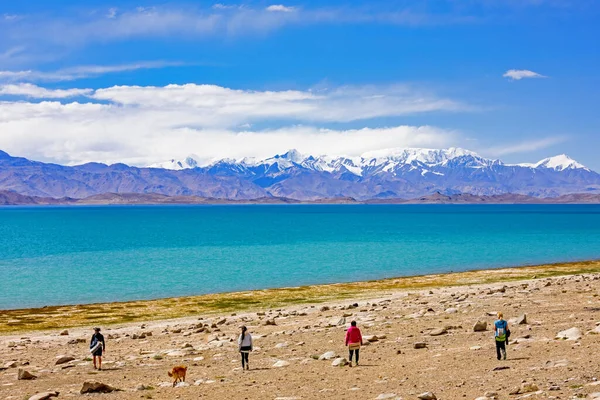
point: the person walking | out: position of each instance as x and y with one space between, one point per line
353 341
245 345
97 347
501 336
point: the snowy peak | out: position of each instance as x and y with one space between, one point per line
394 161
559 163
176 165
425 156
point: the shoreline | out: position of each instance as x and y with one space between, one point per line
8 198
68 316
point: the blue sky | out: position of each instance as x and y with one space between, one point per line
339 77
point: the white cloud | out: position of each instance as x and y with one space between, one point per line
220 6
112 13
143 125
72 30
525 147
219 106
280 8
79 72
33 91
518 74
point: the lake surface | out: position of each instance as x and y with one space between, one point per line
72 255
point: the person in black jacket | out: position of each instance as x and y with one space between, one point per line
98 338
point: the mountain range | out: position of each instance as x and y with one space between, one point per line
403 173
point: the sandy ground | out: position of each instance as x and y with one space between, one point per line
457 364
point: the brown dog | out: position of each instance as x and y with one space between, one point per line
178 373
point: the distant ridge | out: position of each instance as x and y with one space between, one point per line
400 173
11 198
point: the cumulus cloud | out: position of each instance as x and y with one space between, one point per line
143 125
33 91
518 74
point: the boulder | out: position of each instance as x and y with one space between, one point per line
10 364
63 360
521 320
569 334
339 362
24 375
525 388
480 326
438 332
420 345
44 395
269 322
328 356
339 321
370 338
281 364
427 396
386 396
451 310
64 333
96 387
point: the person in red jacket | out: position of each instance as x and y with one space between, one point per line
353 341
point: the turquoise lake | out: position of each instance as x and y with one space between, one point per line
73 255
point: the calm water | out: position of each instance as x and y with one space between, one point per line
67 255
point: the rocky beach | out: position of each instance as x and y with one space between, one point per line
425 338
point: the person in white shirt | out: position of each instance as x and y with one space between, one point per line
245 345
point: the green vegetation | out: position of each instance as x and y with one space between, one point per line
60 317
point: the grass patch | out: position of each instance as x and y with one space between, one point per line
60 317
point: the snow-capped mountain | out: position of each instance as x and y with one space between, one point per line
386 160
176 165
383 174
558 163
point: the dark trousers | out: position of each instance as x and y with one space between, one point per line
500 347
352 352
245 355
